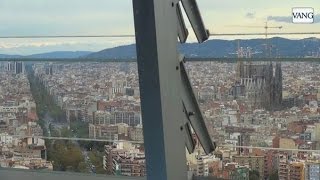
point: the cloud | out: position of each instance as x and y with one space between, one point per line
33 46
250 15
288 19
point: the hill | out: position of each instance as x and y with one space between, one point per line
60 54
50 55
224 48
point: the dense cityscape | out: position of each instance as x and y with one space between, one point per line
264 117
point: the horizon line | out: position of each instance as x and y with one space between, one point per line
193 42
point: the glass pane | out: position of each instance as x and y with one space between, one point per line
73 104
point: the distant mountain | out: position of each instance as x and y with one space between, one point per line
9 56
225 48
120 52
51 55
211 48
60 55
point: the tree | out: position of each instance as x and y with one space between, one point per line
254 175
82 167
54 132
96 158
81 129
65 132
262 144
94 145
274 176
66 156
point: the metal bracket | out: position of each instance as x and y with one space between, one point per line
191 108
193 115
194 16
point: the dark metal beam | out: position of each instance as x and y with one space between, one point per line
158 66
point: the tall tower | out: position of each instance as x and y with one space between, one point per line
278 86
239 70
11 66
19 67
268 90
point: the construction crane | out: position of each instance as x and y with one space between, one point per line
241 53
247 53
266 27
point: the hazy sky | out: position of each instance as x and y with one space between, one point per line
91 17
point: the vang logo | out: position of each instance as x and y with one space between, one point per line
302 15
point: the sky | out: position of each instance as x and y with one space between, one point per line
95 17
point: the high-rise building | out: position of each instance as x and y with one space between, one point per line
205 165
124 162
128 117
10 66
102 117
296 171
271 163
136 133
19 67
316 132
243 140
283 170
312 170
290 170
109 132
49 70
3 66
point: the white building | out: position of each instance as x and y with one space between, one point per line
6 138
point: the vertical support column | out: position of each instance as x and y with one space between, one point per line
159 76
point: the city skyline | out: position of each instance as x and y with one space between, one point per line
101 101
